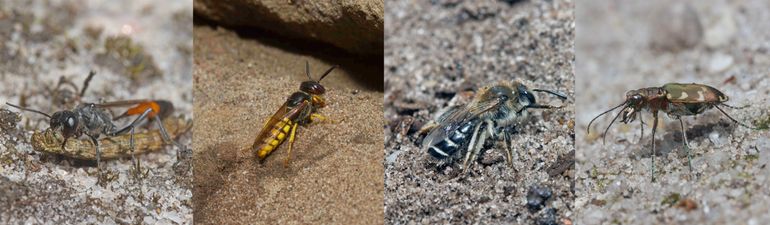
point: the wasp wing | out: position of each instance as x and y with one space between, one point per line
285 112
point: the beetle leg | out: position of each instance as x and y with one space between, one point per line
291 144
654 127
641 123
471 145
686 145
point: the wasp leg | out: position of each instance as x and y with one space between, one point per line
315 117
86 82
130 128
654 127
98 157
686 145
471 145
291 144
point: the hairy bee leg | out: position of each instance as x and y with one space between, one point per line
480 143
508 147
291 144
471 145
654 127
427 127
686 145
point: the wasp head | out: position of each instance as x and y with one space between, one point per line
312 87
67 121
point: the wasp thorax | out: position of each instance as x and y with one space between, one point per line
312 87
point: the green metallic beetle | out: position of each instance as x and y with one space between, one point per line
676 100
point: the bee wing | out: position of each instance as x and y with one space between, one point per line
448 122
285 112
480 107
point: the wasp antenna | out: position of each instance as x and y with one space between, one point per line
86 82
327 72
562 96
307 70
604 135
734 120
588 129
26 109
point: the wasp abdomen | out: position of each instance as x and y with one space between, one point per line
454 141
278 134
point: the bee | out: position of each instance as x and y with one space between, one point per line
676 100
300 108
494 111
94 120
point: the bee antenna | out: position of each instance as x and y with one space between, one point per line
327 72
734 120
588 129
562 96
26 109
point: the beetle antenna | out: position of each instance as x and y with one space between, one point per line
26 109
588 129
604 135
327 72
562 96
734 120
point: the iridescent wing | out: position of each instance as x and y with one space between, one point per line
283 113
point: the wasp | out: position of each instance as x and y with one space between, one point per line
494 111
94 120
50 141
676 100
300 108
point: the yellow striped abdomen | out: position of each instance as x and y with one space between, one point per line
278 133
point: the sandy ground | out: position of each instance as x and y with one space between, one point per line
41 41
463 45
625 45
335 175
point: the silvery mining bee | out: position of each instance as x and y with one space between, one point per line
300 108
676 100
494 111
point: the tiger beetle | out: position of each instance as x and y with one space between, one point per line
676 100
